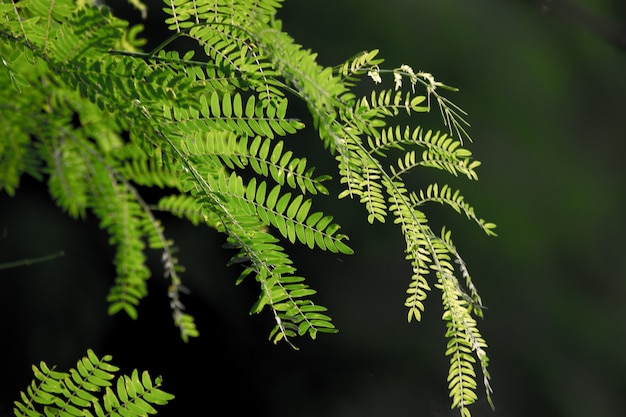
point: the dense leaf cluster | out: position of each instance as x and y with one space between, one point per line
97 118
90 390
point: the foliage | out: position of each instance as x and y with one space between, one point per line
89 390
101 121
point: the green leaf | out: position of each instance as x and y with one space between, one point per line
227 105
146 380
215 105
157 396
121 390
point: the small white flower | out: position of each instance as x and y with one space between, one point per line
374 75
397 79
407 69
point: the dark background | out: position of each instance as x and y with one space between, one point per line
544 84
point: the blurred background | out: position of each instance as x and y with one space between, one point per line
544 85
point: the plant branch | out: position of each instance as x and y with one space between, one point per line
31 261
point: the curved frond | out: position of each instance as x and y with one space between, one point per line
452 198
186 207
68 179
350 69
90 389
292 217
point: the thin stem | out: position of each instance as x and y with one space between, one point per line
31 261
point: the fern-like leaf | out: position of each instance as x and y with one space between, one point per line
350 69
292 218
452 198
86 390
